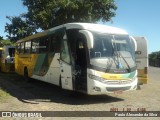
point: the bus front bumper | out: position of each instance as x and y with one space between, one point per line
96 87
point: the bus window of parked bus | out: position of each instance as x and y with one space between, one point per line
65 52
55 43
22 48
18 46
44 45
35 45
40 45
27 47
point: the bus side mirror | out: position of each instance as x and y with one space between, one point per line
134 42
89 37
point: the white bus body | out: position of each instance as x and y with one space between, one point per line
94 59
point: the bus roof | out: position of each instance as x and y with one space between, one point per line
96 27
87 26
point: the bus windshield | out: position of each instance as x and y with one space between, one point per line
112 52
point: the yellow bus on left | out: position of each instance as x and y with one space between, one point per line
7 54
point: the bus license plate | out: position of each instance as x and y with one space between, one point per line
118 92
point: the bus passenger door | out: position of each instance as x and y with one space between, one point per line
65 65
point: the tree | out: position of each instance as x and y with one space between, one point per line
50 13
1 37
154 58
5 42
45 14
19 28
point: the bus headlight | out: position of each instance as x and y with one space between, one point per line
95 77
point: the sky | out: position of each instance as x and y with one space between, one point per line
137 17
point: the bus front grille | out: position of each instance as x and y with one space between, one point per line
114 82
109 89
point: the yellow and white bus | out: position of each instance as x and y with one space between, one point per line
7 58
142 59
0 56
90 58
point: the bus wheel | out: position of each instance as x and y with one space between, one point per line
26 78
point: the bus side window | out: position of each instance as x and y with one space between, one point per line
55 43
44 45
22 47
27 47
65 56
35 46
18 48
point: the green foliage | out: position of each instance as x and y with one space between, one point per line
6 42
154 58
45 14
18 28
49 13
1 38
154 55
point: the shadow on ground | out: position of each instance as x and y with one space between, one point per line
37 91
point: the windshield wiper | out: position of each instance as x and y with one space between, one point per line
115 52
129 68
109 62
118 54
109 65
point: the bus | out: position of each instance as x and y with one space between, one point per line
0 56
85 57
142 59
7 58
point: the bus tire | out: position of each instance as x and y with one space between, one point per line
26 78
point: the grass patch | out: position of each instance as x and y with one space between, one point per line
4 96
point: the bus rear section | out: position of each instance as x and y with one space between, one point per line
1 57
142 60
7 59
